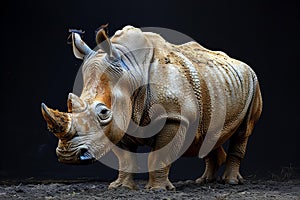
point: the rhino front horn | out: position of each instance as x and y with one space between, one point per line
58 122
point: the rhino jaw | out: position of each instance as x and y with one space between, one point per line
58 123
82 157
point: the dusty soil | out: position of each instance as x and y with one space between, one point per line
80 189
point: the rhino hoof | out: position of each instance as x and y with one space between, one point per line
203 180
124 184
234 181
167 185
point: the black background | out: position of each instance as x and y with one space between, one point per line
37 65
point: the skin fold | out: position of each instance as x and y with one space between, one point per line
204 93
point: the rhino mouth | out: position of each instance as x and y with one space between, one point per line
80 151
82 156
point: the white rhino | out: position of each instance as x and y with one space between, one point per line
131 73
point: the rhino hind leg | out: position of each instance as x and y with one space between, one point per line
236 153
238 141
213 161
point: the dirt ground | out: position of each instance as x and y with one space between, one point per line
82 189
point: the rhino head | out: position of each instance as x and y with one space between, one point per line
83 131
97 119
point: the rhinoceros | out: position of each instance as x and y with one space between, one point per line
139 89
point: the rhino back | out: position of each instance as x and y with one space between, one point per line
230 83
222 86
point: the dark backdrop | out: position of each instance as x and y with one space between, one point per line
37 65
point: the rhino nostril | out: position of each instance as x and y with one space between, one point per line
85 155
75 135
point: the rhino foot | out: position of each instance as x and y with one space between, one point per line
123 183
165 185
205 179
232 174
232 178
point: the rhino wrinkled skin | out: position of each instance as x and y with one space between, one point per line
134 71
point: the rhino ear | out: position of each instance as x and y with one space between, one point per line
80 48
104 42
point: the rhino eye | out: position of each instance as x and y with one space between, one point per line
102 111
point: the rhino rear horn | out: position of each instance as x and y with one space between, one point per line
58 122
75 104
80 48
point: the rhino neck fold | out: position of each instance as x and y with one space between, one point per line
140 106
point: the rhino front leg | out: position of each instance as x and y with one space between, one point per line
127 165
159 179
159 162
213 161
